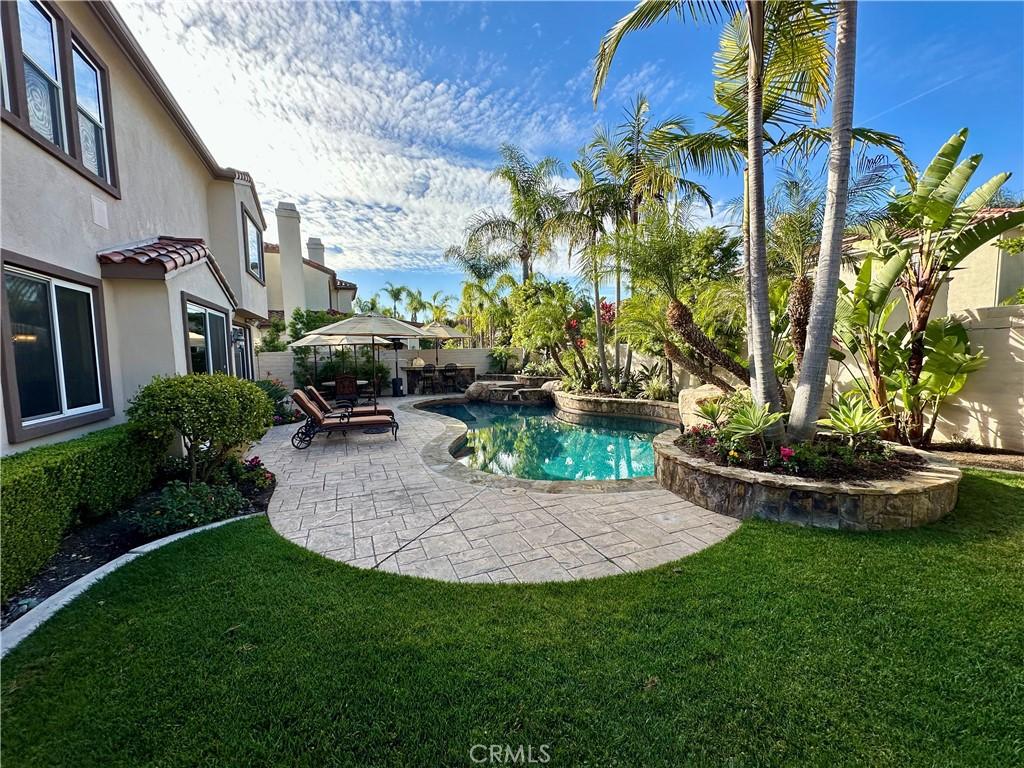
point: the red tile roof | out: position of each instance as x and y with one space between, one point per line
271 248
168 254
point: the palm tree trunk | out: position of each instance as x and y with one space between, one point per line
618 301
695 369
680 319
800 293
602 357
764 384
821 322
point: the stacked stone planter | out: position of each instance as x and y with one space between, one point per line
652 410
920 497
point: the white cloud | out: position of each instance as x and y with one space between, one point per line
330 106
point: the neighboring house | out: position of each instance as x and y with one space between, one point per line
127 251
294 282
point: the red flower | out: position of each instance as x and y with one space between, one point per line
786 453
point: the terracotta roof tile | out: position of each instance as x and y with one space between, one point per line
271 248
169 252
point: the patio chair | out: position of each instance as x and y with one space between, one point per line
316 422
448 376
428 379
345 388
344 408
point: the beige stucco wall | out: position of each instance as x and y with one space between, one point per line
990 407
227 242
292 282
46 213
343 300
317 285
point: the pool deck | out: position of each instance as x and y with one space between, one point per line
408 507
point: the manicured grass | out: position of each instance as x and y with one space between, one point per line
780 646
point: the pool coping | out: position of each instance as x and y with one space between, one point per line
437 455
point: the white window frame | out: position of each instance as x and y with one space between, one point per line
53 283
249 362
54 36
191 308
101 119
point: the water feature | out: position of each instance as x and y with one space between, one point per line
532 443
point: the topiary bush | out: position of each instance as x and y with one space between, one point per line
215 415
46 489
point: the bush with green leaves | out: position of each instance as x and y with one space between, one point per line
46 489
748 420
215 415
179 507
656 389
854 418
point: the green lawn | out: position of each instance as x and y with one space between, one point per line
780 646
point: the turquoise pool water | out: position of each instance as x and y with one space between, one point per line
529 442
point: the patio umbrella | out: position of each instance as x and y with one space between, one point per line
441 332
374 324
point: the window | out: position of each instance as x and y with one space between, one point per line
207 339
92 135
42 72
56 90
53 335
5 89
253 245
241 349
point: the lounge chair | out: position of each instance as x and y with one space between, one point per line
316 422
343 407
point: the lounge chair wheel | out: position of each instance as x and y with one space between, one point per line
302 438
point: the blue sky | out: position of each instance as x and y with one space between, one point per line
381 121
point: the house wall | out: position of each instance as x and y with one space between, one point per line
272 265
293 288
227 242
50 213
317 286
343 300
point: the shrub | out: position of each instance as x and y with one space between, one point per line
179 507
214 414
657 389
854 418
46 489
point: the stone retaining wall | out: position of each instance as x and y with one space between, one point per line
919 498
653 410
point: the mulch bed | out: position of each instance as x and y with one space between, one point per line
863 469
84 549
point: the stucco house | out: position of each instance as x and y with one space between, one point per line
298 282
127 251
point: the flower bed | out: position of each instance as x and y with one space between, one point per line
926 492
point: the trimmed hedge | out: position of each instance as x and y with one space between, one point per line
43 491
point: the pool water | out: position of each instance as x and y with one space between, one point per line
530 442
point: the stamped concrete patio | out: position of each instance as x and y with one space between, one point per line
409 508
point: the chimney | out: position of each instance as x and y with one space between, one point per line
315 250
293 289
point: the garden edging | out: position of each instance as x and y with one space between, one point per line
922 497
25 625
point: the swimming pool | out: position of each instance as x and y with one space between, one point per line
531 443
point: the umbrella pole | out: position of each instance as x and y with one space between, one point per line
315 382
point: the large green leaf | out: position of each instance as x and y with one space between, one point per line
886 277
937 171
975 201
943 200
958 247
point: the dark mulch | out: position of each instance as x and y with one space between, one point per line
862 469
87 547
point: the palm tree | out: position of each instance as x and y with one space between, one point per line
440 306
395 293
525 232
415 303
589 210
371 304
474 260
640 167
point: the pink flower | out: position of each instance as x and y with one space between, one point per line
786 453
